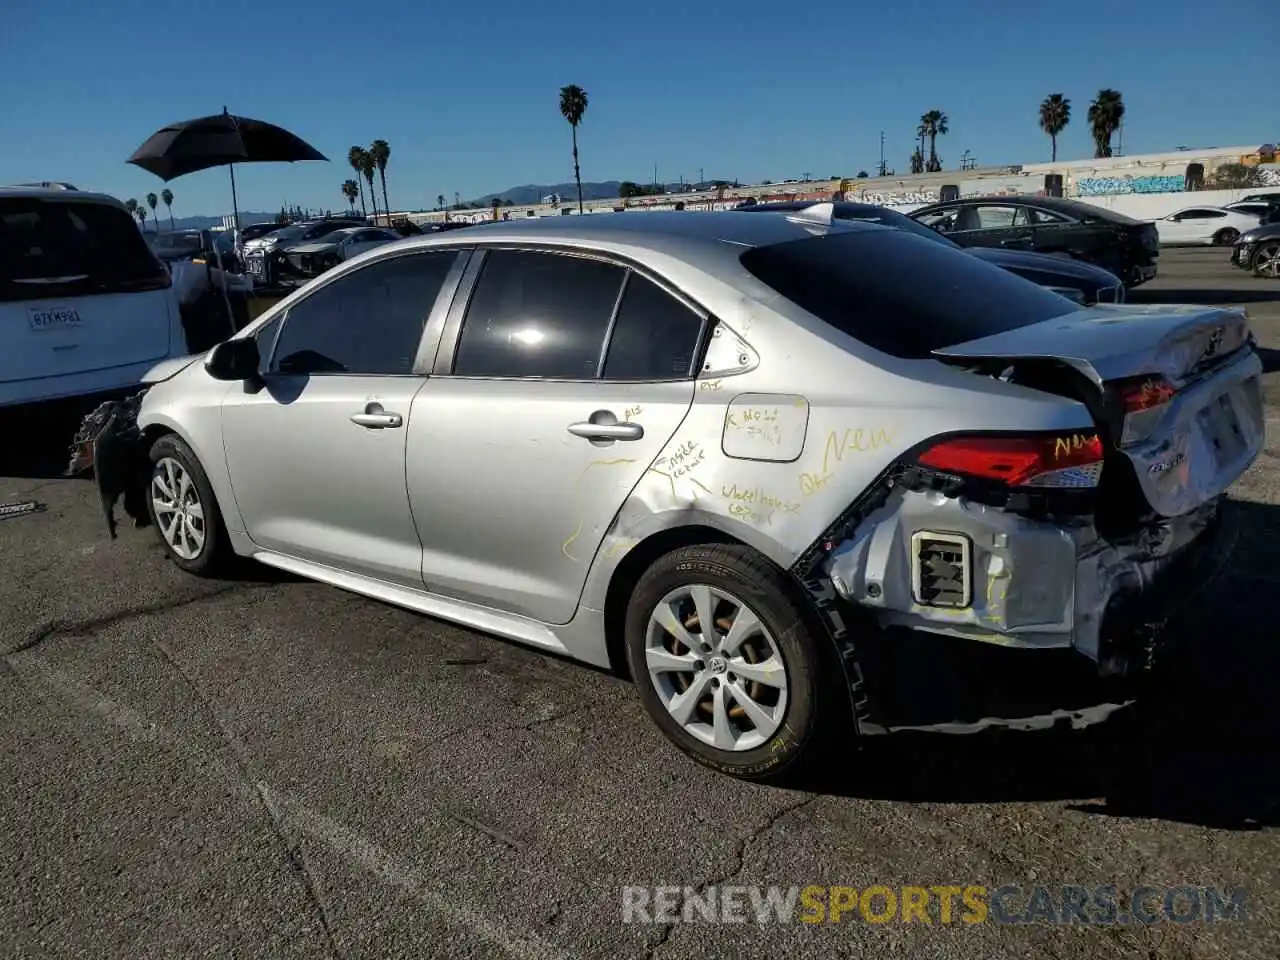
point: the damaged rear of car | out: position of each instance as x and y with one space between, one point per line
1083 540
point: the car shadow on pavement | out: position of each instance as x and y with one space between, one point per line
1208 296
1200 748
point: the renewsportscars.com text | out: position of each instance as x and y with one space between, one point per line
941 904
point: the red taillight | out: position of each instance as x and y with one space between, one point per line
1145 393
1052 460
1144 400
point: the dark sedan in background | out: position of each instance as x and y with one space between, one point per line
1075 279
1126 247
1258 250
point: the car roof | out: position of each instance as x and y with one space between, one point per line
1074 208
842 208
58 193
648 230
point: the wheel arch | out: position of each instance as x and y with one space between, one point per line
644 554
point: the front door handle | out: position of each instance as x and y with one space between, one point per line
375 418
603 428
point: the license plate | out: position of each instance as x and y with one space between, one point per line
53 318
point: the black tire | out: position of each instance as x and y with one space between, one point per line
215 554
1269 249
816 715
1226 237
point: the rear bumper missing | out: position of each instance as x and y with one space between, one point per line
1061 626
1023 583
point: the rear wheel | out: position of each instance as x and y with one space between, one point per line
1226 237
726 666
1266 260
183 509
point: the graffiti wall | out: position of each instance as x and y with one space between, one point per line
1112 186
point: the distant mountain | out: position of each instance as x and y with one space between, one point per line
204 223
534 192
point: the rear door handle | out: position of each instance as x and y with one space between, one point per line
607 431
375 418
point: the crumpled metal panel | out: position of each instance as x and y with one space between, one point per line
1036 584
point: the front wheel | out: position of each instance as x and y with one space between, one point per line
1266 261
183 509
1226 237
726 665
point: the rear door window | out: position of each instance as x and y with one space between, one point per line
655 336
538 315
899 294
60 248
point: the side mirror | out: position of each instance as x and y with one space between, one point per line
234 360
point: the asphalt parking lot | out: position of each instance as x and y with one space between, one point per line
269 767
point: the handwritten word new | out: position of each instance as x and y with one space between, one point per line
1065 446
857 440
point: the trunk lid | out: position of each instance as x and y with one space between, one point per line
1175 390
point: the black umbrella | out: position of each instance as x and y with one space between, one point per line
222 140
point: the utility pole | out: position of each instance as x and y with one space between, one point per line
701 179
655 174
882 153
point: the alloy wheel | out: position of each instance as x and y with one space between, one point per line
178 510
716 668
1266 262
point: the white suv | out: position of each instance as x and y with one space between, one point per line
85 306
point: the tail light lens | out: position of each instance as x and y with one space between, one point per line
1144 401
1072 460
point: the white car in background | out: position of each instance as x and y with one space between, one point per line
1204 226
85 305
335 247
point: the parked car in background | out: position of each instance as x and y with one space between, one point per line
1076 280
1258 250
1122 245
85 305
716 450
311 259
1266 210
1204 226
264 256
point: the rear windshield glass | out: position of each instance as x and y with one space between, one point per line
901 294
81 244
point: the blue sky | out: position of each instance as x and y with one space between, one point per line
466 93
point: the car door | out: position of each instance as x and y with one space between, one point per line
993 225
1055 232
316 454
558 383
1189 226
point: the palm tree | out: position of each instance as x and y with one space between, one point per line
355 157
132 206
573 104
917 161
351 190
140 212
923 133
439 201
1055 114
368 167
153 201
933 125
166 197
380 150
1105 115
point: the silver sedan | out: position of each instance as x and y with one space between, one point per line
729 455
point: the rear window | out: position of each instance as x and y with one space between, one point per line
901 294
59 248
